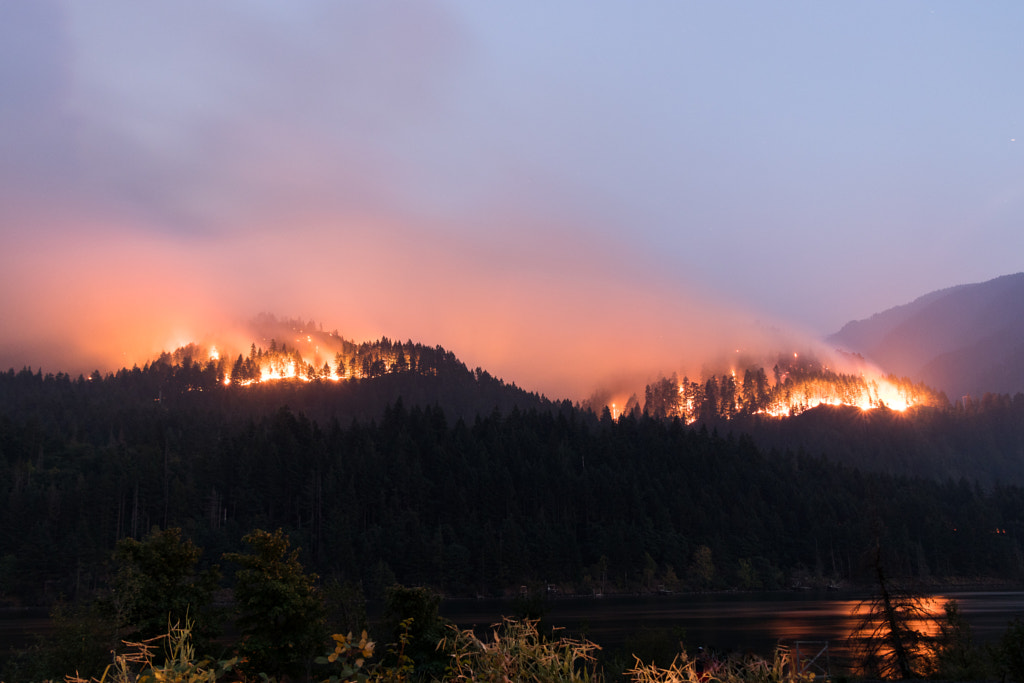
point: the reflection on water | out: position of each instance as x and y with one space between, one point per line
724 622
870 640
733 622
19 626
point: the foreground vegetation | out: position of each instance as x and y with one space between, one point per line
435 476
517 651
159 612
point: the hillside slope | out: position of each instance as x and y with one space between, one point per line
967 339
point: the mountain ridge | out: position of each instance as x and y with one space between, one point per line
966 339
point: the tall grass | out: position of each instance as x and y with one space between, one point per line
141 664
780 668
517 652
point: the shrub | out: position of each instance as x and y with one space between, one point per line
157 582
280 614
79 643
956 656
350 655
1008 653
412 614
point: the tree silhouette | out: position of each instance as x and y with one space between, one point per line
889 642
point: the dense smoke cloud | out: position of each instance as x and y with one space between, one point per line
542 205
553 314
190 195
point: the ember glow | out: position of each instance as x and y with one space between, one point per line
796 383
875 392
291 350
297 351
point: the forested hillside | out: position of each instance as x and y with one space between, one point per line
980 441
192 378
520 492
883 424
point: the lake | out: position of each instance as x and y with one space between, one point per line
732 621
719 621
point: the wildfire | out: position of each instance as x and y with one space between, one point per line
308 364
889 395
876 393
796 382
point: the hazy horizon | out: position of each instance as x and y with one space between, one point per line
568 196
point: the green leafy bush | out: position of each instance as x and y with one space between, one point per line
280 613
349 659
157 582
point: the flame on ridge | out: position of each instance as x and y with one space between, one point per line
797 382
305 356
878 392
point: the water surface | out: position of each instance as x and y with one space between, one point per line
731 621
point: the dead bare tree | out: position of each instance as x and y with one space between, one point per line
891 638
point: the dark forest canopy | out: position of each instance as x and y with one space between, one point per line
458 481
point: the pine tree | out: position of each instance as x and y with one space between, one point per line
280 615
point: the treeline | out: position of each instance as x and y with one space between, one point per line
796 385
847 419
277 361
977 440
534 495
189 380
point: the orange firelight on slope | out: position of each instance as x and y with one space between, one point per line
889 395
879 392
289 370
797 388
305 360
271 371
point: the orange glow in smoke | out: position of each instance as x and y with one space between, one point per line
880 392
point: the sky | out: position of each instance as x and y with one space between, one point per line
564 193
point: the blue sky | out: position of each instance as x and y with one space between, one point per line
541 187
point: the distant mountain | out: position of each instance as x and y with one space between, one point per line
963 340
